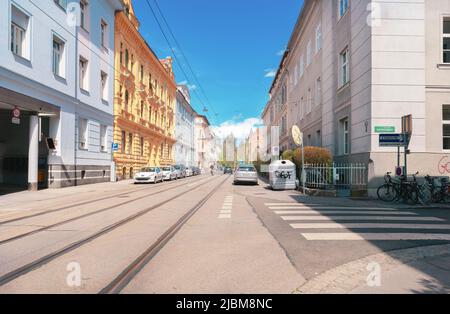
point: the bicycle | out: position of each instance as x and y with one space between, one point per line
388 192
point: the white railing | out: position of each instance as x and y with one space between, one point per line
336 176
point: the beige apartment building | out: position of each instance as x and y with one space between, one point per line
355 67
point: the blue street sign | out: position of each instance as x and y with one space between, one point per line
393 140
115 147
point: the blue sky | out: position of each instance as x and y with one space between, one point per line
231 45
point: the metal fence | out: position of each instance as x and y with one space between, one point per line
336 176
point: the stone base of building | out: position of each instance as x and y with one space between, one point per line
61 176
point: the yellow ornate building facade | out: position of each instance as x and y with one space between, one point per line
144 103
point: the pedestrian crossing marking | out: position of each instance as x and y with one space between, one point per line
335 218
225 211
369 226
336 212
330 207
375 236
225 216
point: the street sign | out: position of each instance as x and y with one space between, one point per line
275 151
393 140
385 129
407 127
115 147
399 171
15 116
297 135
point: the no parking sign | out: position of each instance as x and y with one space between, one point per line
16 116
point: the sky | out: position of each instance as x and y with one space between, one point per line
234 48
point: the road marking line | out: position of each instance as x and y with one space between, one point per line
227 207
374 236
225 211
224 216
368 226
336 212
330 207
335 218
292 204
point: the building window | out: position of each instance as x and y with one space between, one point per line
318 38
104 85
127 58
130 143
103 138
19 33
84 14
283 94
104 31
446 126
309 101
343 7
83 74
83 134
345 74
283 126
124 142
58 57
318 89
142 74
309 53
302 65
127 99
446 40
345 149
142 109
319 138
142 146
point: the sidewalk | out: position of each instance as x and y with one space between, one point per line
409 271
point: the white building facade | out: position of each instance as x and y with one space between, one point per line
354 68
185 147
57 69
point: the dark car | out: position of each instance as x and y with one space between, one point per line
228 170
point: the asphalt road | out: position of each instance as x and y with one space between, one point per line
239 239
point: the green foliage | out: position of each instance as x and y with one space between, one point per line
288 155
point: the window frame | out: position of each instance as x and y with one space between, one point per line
103 138
83 73
104 86
344 67
318 38
445 122
104 34
84 15
62 55
83 145
345 126
445 36
341 12
26 45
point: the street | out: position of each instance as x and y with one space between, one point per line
204 234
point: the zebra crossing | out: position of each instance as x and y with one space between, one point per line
319 222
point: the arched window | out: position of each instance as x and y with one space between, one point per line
127 58
127 99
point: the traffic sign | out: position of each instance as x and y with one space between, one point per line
16 113
393 140
385 129
275 151
297 135
115 147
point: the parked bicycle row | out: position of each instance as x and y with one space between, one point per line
410 191
167 173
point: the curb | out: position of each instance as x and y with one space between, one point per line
345 278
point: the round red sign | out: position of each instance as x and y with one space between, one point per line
16 113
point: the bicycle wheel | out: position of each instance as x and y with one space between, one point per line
387 193
412 196
424 195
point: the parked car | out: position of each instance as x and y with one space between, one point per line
246 174
228 170
197 171
189 172
181 171
149 175
169 173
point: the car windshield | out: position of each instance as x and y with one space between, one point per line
177 167
246 169
148 169
166 169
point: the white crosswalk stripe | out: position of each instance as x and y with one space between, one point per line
374 236
335 218
326 218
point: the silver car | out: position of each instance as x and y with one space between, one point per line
246 174
169 173
149 175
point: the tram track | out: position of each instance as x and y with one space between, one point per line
99 211
127 275
58 209
20 271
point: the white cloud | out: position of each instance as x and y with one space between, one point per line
240 129
281 52
191 87
270 72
